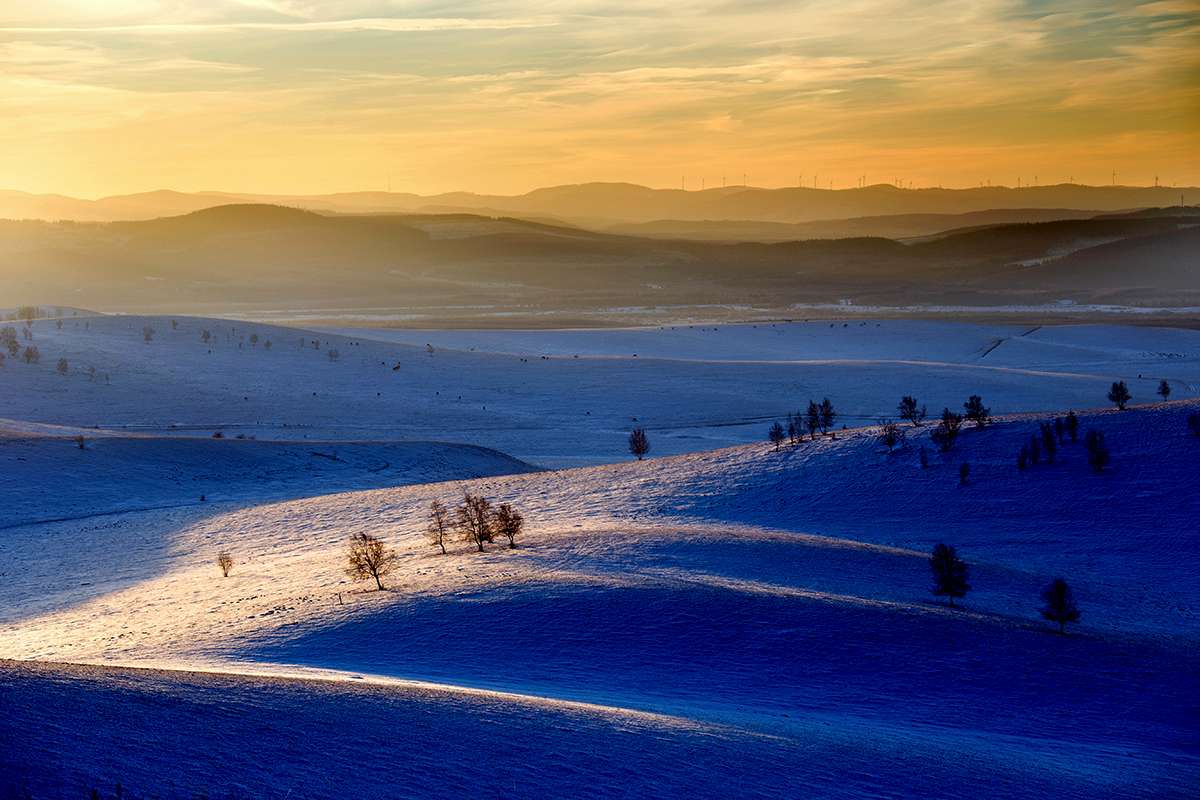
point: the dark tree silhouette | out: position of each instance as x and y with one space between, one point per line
1097 451
976 411
946 432
474 520
1059 429
1072 426
1023 458
776 434
32 355
639 444
147 334
370 558
508 522
63 367
1194 423
950 573
828 415
225 562
812 418
910 412
205 336
1035 450
438 528
1119 394
1059 604
1164 389
924 458
891 435
964 472
795 428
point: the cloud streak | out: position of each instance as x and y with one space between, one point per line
292 95
386 24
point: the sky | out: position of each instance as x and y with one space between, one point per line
104 97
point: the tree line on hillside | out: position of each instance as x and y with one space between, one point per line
475 520
1045 444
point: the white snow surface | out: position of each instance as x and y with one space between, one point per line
692 388
727 622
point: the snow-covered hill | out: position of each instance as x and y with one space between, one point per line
740 617
564 398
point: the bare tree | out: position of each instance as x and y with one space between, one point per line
147 334
508 522
32 355
639 444
828 415
1119 394
950 573
910 411
439 524
1072 425
1059 604
812 418
1164 389
776 434
206 336
976 411
63 367
370 558
946 432
225 562
891 435
473 517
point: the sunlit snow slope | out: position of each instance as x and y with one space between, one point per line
740 621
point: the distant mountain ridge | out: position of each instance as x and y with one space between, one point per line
272 256
606 204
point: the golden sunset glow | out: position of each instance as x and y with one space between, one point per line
305 97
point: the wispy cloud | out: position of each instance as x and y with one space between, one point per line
307 96
389 24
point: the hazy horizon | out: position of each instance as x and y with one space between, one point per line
400 191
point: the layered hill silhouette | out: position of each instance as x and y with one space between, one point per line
256 254
611 203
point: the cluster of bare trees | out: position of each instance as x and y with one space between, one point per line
950 580
818 417
9 341
474 520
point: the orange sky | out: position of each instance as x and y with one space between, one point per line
111 96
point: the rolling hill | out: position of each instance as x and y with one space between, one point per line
768 610
255 256
612 203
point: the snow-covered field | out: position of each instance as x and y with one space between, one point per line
566 398
722 622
